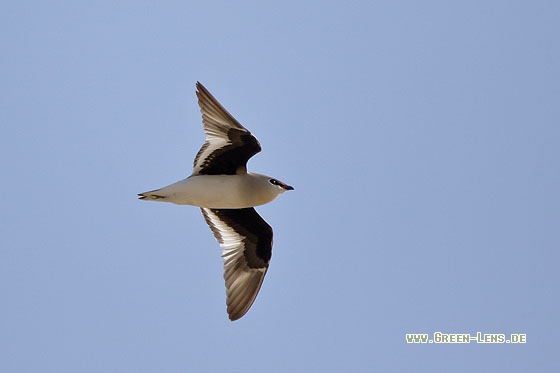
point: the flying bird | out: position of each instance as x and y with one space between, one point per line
227 194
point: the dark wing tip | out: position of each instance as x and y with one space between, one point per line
240 297
210 105
201 87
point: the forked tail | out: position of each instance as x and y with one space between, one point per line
151 196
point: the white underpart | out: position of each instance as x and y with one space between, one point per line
219 191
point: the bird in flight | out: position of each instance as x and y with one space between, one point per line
226 194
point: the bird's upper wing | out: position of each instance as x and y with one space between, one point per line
246 241
228 144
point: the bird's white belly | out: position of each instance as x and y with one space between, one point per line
215 191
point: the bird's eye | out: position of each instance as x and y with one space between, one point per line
274 182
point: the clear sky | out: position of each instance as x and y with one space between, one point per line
422 139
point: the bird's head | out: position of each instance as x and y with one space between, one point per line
277 183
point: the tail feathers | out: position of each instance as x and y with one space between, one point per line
151 196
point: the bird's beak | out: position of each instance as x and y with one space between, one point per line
287 187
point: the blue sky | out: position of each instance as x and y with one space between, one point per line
422 139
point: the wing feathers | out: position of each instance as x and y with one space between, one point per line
246 241
228 144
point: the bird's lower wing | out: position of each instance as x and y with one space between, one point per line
246 241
